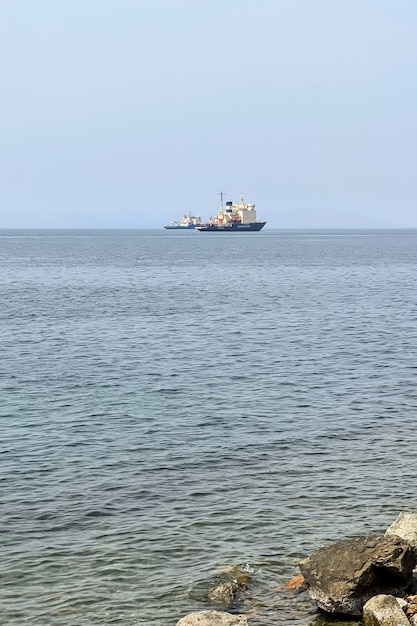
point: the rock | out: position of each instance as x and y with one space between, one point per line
225 593
383 610
405 526
413 620
413 586
402 603
212 618
411 609
243 579
343 576
298 583
412 598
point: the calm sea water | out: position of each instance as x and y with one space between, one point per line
173 403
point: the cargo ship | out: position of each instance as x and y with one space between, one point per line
188 222
233 218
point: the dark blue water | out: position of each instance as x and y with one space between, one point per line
173 403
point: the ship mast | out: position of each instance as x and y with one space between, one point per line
221 194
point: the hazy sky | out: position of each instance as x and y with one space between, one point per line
129 113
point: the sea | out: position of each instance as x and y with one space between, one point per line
179 406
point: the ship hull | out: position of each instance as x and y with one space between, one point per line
231 228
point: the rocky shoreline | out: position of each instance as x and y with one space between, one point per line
373 578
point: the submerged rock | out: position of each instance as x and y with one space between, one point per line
383 610
224 593
343 576
212 618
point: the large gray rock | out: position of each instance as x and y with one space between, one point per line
212 618
343 576
384 610
405 526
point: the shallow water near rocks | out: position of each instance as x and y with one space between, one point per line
174 403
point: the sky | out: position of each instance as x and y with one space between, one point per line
131 113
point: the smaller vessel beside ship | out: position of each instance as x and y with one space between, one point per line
235 217
188 222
